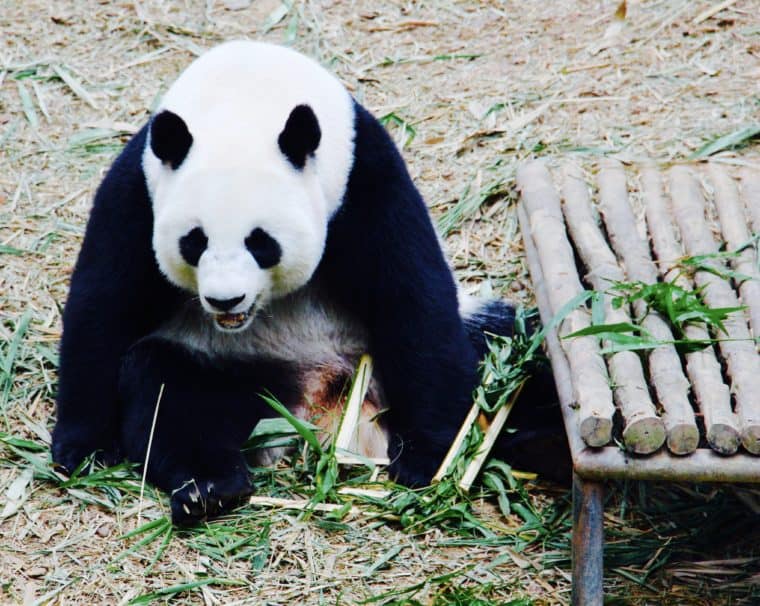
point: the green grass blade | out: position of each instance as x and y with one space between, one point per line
732 140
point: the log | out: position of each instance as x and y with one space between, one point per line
712 394
591 390
751 197
737 234
665 369
643 430
737 347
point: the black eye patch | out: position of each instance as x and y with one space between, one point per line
264 248
192 245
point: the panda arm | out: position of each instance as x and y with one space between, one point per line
117 295
383 262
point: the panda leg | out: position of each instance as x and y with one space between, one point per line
206 410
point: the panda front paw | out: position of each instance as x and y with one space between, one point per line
70 448
199 498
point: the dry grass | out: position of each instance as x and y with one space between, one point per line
479 85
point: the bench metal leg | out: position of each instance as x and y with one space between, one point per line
588 529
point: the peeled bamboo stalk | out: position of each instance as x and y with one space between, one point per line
456 445
736 234
489 439
643 431
712 394
665 370
347 431
737 347
591 390
751 197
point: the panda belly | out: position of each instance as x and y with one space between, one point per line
312 337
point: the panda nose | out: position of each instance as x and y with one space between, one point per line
224 304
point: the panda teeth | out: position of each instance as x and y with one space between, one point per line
231 321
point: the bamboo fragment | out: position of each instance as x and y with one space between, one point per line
736 234
591 390
643 431
665 370
489 439
348 425
456 445
710 391
751 197
737 347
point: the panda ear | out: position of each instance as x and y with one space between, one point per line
301 135
169 138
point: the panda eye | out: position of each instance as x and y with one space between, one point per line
192 245
264 248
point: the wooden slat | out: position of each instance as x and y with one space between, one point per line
737 347
703 368
591 391
664 364
643 430
736 233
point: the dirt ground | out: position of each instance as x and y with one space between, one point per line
468 89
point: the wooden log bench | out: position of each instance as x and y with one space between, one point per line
656 414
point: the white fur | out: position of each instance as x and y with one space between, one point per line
235 100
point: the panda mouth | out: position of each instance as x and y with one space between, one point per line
233 322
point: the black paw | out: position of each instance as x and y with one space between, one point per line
70 449
200 498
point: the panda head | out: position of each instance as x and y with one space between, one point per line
238 222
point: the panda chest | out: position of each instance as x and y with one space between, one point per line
322 347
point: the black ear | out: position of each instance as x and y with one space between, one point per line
169 138
301 135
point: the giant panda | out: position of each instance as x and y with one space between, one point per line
256 236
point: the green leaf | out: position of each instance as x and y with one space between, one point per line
300 426
732 140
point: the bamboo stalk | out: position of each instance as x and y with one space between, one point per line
665 370
643 430
736 234
354 402
489 439
443 469
712 394
751 197
737 347
546 227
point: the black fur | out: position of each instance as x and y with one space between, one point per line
425 356
170 139
407 301
207 410
301 135
264 248
117 296
192 245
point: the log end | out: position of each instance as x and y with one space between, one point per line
723 438
596 431
644 435
683 438
751 439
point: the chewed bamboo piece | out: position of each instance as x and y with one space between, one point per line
703 368
591 390
737 347
665 371
736 234
643 431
